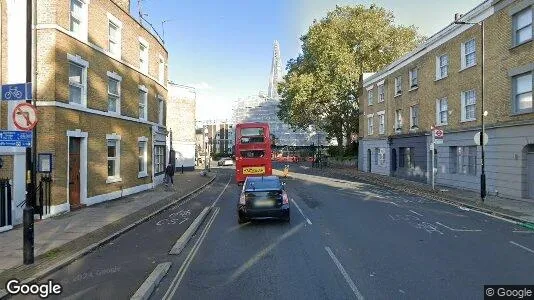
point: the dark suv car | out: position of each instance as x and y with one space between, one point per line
263 198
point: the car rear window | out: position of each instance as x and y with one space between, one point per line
263 185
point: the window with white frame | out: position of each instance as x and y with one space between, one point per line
414 116
77 80
143 56
142 157
381 123
413 78
442 66
114 95
463 160
159 159
160 111
381 93
469 101
370 96
381 156
161 69
370 125
398 85
143 98
78 17
398 119
442 111
522 26
522 93
377 150
469 57
113 146
114 46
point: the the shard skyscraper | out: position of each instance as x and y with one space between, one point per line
264 108
276 72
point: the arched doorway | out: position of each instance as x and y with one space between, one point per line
394 160
530 170
369 160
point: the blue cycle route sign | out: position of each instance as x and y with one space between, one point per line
15 138
17 91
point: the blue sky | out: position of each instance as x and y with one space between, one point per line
224 47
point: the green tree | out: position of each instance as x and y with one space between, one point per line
323 83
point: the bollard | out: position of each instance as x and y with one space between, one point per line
286 170
28 236
182 169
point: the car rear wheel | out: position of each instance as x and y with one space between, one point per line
241 220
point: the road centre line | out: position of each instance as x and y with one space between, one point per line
416 213
345 274
521 246
225 187
461 230
187 262
523 231
300 210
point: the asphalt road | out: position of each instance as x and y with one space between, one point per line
345 240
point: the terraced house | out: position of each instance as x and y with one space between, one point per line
101 90
439 85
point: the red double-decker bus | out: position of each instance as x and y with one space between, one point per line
252 150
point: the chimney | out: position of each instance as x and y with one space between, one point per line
124 4
457 16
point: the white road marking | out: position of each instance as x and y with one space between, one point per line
416 213
345 274
217 199
186 236
394 203
462 230
187 262
146 289
300 210
523 231
392 217
521 246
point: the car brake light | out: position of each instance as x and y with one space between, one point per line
242 199
285 199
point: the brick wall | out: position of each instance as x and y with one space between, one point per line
97 127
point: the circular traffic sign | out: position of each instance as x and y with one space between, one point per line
439 133
484 139
25 116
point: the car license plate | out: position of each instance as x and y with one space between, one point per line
264 203
253 170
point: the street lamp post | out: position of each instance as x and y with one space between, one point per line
483 112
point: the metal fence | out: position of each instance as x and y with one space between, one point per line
5 203
43 197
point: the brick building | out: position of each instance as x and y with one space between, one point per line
439 84
100 88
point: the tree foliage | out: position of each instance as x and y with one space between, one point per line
323 83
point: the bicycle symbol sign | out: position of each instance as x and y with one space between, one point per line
16 92
25 116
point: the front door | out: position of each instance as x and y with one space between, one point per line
530 173
394 160
369 160
74 172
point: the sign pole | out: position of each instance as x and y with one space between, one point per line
433 145
28 212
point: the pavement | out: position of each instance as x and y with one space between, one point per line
511 209
63 235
